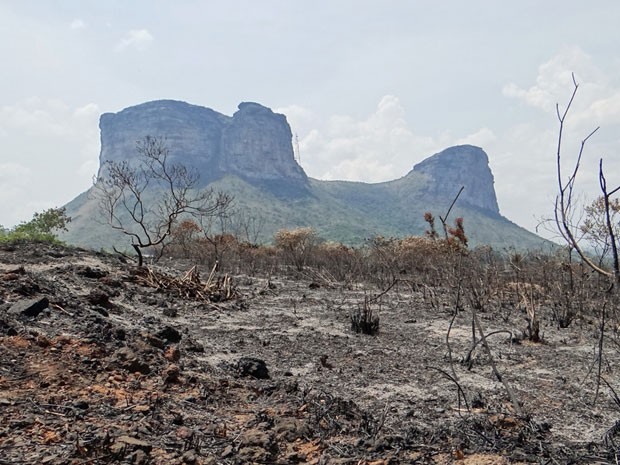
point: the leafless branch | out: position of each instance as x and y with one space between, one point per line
144 198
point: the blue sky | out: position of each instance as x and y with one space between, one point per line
370 88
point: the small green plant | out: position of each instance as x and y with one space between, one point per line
42 227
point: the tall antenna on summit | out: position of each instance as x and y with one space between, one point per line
298 155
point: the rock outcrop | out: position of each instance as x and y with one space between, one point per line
254 144
258 143
461 166
250 156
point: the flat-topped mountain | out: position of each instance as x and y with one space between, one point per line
250 155
254 144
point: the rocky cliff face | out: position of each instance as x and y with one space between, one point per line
462 165
258 143
255 143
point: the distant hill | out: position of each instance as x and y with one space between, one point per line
250 155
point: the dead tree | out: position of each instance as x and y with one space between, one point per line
143 197
566 209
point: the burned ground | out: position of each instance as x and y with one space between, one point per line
102 363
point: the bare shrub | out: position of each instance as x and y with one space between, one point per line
364 320
183 239
296 245
145 198
422 260
381 260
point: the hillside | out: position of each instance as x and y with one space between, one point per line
250 156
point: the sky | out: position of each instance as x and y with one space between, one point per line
370 88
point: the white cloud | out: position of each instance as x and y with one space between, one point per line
481 138
56 147
555 82
138 39
77 24
378 148
525 169
15 180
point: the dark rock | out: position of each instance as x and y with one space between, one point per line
255 437
6 328
81 404
189 457
99 297
172 354
91 273
29 307
128 360
154 340
171 374
170 334
190 345
27 287
255 446
43 341
101 311
253 454
257 368
289 429
170 312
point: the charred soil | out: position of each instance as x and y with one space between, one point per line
102 363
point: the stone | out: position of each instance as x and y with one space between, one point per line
90 272
153 340
7 328
189 457
99 297
253 455
289 429
171 374
172 354
227 452
81 404
170 312
128 360
255 437
249 366
29 307
170 334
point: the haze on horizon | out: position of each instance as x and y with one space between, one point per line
370 88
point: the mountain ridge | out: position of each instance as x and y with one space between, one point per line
250 155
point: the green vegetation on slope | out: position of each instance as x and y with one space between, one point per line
339 211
